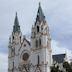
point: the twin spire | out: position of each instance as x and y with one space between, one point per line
40 17
16 27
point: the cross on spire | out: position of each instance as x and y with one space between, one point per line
16 27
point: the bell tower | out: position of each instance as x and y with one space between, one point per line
41 44
15 41
16 34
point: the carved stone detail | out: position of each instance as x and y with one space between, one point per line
24 67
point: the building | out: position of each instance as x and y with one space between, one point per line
34 55
59 59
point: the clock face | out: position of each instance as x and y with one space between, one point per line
25 56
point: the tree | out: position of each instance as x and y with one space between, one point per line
71 65
67 66
55 68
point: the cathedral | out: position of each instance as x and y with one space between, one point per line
34 55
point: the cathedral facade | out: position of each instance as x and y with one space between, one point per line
34 55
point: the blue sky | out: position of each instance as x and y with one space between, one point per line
58 16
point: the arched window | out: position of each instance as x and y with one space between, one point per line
39 42
38 59
13 65
13 37
36 43
37 28
20 39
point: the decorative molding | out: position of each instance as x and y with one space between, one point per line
38 69
25 67
13 55
40 65
42 47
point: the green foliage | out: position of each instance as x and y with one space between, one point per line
55 68
67 66
71 64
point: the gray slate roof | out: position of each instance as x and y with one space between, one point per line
16 27
58 58
40 15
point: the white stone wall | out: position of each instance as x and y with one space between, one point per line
22 46
44 51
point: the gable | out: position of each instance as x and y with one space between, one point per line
25 45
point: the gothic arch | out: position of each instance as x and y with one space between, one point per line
39 41
38 59
36 43
37 28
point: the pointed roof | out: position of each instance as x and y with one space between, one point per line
40 15
16 20
16 27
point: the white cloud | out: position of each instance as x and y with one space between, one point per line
58 14
3 62
56 49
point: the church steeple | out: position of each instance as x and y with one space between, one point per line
16 27
40 15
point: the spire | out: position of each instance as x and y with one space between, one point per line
16 27
40 15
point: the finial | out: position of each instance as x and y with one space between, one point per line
39 4
16 13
